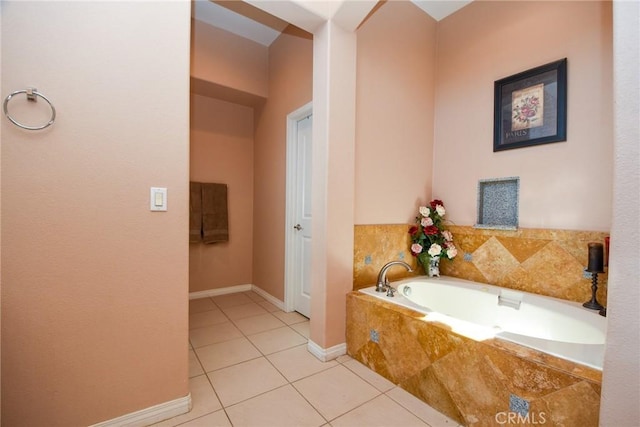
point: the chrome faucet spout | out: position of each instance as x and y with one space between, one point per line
383 283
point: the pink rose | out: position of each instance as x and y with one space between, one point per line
426 222
416 248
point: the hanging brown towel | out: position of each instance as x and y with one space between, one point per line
195 212
215 218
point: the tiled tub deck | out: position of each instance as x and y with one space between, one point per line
477 383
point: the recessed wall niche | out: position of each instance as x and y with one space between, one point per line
498 203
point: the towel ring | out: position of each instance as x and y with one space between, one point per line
32 95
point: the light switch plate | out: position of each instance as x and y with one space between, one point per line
158 199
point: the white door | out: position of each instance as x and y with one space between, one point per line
302 217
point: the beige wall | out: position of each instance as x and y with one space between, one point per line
222 151
94 285
364 177
228 60
290 79
562 185
229 76
229 67
394 113
334 136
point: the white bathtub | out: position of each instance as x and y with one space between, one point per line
562 328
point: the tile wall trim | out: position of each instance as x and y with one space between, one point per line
327 354
151 415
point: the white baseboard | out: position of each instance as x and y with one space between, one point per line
273 300
220 291
151 415
327 354
237 288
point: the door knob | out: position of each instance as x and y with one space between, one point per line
297 227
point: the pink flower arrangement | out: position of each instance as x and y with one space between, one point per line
429 237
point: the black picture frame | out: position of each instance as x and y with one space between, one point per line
530 108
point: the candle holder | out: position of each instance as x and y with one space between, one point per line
595 266
593 304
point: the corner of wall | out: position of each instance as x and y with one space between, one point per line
621 387
1 93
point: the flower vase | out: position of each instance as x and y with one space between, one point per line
433 270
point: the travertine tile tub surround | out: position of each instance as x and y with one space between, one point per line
477 383
541 261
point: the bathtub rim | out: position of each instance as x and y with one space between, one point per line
588 355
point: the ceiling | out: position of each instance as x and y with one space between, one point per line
239 18
252 23
440 9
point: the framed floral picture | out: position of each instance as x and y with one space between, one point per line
530 108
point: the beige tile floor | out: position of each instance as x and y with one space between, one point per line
249 366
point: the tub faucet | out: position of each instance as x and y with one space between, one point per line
383 283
